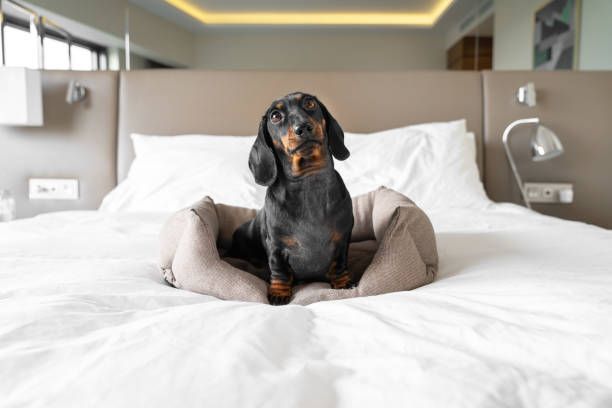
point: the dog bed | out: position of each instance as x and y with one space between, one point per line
392 249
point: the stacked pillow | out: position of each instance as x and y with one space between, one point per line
170 173
434 164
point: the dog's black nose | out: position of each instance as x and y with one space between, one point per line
302 128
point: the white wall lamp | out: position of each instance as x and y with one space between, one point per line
545 145
76 92
526 95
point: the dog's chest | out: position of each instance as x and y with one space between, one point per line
311 236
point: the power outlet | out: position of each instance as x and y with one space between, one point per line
53 189
562 193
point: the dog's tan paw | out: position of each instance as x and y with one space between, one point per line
342 281
279 292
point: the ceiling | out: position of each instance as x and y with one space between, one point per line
315 5
278 8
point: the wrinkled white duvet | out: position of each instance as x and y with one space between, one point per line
520 316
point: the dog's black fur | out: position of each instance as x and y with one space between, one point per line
304 228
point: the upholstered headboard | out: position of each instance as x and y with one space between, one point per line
171 102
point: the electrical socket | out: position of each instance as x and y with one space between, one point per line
561 193
53 189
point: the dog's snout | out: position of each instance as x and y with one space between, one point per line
303 128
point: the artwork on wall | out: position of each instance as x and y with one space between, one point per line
555 35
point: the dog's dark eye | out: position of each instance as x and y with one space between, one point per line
276 116
310 104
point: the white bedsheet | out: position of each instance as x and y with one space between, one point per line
520 316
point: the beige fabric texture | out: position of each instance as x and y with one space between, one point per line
393 248
172 101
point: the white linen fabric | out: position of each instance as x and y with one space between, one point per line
519 316
433 163
169 173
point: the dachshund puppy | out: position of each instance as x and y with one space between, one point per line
304 228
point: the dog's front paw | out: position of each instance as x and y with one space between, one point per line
279 300
342 281
279 292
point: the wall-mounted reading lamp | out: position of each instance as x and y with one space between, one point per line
526 95
545 145
76 92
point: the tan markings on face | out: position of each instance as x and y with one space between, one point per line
279 106
289 241
312 161
305 161
289 141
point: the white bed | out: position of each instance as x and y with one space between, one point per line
516 318
520 314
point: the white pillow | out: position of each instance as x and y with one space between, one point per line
434 164
170 173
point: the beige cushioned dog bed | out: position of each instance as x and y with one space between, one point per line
392 249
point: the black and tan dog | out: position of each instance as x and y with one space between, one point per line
304 228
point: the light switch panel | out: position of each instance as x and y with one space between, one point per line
561 193
53 189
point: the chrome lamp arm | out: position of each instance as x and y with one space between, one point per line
505 137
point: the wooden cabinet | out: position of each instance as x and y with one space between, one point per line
470 54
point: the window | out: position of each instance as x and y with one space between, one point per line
21 49
83 58
55 54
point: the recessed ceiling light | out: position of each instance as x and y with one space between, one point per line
313 18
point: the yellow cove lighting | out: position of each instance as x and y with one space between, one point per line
312 18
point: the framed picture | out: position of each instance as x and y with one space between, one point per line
556 35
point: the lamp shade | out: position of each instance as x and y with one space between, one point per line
20 97
545 144
75 93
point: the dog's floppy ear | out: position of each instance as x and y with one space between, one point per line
335 135
261 159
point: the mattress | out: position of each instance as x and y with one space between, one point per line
519 316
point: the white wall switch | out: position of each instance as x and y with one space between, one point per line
53 189
549 192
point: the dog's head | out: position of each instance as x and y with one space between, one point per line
296 136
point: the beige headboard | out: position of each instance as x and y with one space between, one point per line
171 102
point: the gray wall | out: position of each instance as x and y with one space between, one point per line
76 141
596 35
576 105
513 36
320 49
